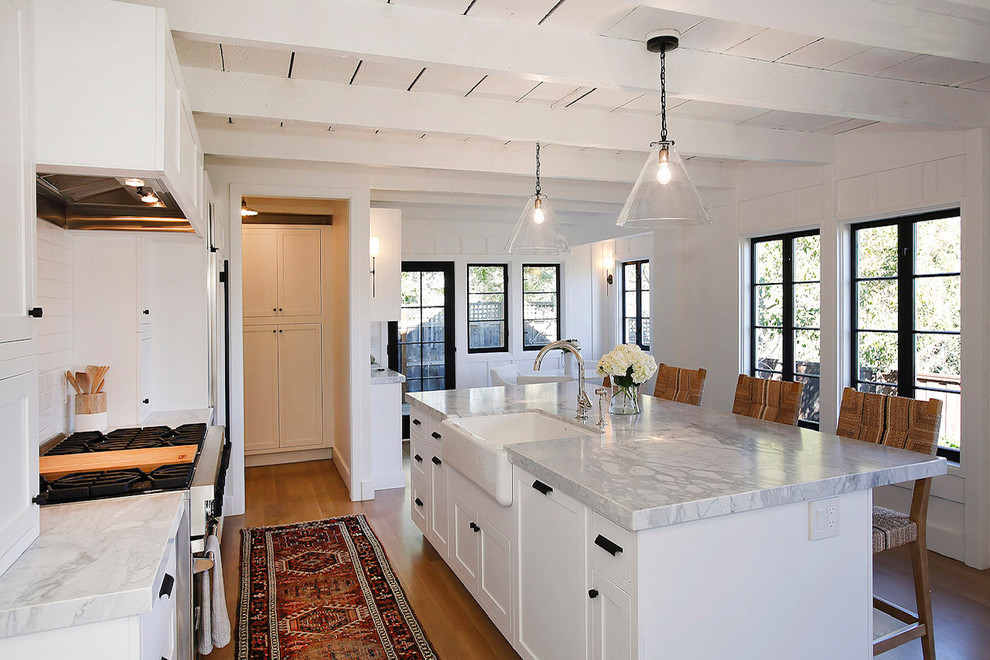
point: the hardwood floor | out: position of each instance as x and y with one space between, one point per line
460 630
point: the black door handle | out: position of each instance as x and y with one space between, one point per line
419 502
147 312
592 593
436 461
145 401
167 583
419 459
416 422
435 435
542 487
36 312
474 527
608 546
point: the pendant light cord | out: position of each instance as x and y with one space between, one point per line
663 95
537 169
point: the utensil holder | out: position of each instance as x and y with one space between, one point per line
88 404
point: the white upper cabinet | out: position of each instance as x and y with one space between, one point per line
110 98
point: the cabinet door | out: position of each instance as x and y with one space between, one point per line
419 505
300 385
495 574
465 541
144 368
260 387
550 583
17 214
300 282
260 260
440 522
19 467
611 619
144 281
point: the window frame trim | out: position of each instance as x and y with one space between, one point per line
504 348
558 293
639 302
905 287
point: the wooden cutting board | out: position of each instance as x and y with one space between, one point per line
144 459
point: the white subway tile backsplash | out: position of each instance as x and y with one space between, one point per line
54 294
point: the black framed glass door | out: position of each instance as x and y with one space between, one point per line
421 344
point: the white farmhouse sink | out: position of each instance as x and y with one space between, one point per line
475 446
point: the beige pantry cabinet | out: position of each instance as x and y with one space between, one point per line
282 271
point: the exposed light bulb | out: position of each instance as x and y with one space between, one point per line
134 182
245 211
538 216
663 172
148 196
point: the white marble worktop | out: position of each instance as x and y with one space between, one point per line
386 376
675 463
93 561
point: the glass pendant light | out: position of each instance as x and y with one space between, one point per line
664 195
537 230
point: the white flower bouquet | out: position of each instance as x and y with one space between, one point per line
628 367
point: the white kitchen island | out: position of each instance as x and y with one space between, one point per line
678 533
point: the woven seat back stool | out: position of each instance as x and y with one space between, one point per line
772 400
681 385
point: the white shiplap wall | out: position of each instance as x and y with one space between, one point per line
55 257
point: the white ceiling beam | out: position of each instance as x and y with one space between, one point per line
384 31
934 27
259 96
221 138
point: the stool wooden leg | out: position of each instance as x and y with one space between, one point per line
922 593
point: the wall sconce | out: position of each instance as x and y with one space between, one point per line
608 264
374 253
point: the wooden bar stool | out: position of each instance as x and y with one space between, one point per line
683 385
772 400
908 424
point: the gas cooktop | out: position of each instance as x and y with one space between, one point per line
79 486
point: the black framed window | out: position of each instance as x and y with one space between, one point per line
636 303
541 305
906 313
421 343
488 329
785 315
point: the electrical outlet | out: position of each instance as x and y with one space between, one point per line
824 516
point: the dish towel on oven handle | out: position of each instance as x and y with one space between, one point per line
214 624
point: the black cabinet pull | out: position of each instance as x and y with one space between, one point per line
592 593
435 435
36 312
436 461
419 502
608 546
474 527
274 309
145 401
419 459
167 583
416 422
147 312
542 487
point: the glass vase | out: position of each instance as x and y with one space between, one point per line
625 401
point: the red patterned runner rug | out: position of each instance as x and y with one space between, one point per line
323 590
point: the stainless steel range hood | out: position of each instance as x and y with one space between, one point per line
99 202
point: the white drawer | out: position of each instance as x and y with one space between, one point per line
417 423
613 547
158 625
419 503
419 454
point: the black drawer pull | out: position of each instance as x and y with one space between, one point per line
608 546
419 502
147 312
419 459
435 435
436 461
474 527
145 400
416 422
542 487
592 593
36 312
167 583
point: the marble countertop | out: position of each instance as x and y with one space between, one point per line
675 463
93 561
386 376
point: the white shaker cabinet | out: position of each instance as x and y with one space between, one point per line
611 619
283 270
261 387
19 517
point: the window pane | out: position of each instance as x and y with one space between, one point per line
539 278
411 356
630 331
486 334
409 329
630 304
433 289
769 266
807 303
877 304
768 375
807 352
646 332
950 433
877 356
807 258
936 359
629 277
937 246
645 275
433 325
486 306
769 349
937 303
410 288
770 305
876 251
644 298
888 390
486 279
540 306
539 333
810 399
